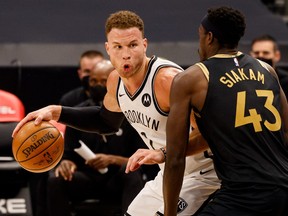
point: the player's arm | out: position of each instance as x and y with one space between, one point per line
177 128
104 120
185 86
92 119
197 143
162 86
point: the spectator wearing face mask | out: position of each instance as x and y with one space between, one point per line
265 48
97 83
87 61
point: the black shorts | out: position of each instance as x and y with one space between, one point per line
252 200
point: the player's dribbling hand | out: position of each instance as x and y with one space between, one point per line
47 113
144 156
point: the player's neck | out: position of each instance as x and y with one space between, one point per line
227 51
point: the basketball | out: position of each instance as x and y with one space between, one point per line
38 148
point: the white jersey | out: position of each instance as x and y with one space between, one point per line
144 114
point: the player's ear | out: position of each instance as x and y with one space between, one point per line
210 37
145 43
107 47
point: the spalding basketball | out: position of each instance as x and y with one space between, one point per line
38 148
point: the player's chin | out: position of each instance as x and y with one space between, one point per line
126 74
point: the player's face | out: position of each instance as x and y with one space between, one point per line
127 50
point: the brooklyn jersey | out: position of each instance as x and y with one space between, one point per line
145 115
241 121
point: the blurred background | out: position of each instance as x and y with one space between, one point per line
41 40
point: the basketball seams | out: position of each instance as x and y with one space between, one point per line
42 150
38 148
41 129
56 161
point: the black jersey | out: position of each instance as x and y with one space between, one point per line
241 121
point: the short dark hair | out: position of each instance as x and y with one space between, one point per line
230 22
123 20
265 37
91 54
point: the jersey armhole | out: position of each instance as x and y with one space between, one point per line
204 70
118 86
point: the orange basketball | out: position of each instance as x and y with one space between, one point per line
38 148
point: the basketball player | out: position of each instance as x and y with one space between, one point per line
75 179
241 110
139 88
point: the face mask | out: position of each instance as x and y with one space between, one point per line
268 61
85 83
97 93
